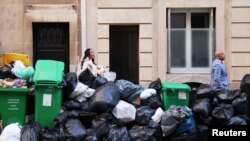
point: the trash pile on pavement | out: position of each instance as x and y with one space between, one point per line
219 108
104 109
15 75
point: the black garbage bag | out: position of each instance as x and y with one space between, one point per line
30 131
205 91
247 118
168 123
185 137
86 77
85 106
129 91
240 103
85 115
61 133
99 81
91 135
202 107
101 125
227 96
245 83
47 135
72 105
117 133
105 98
202 132
5 72
113 120
30 83
142 133
71 78
73 113
154 102
86 118
75 129
156 85
158 131
237 120
171 118
223 112
245 87
248 105
206 120
187 125
192 93
71 82
63 117
215 102
143 115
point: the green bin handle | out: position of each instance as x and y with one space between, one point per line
49 85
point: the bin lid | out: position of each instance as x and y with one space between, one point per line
178 86
14 89
48 72
8 56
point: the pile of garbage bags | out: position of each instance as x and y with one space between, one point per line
221 107
94 108
97 109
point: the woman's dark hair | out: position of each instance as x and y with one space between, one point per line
86 54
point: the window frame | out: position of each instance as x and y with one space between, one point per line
188 40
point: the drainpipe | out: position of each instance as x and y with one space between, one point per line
83 26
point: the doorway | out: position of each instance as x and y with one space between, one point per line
124 52
51 41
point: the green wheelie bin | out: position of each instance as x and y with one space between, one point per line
175 94
13 105
48 91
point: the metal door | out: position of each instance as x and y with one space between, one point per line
124 52
51 41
